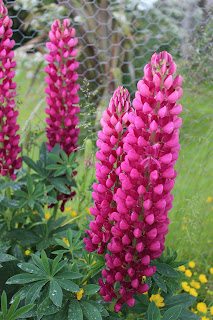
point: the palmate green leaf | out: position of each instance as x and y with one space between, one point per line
21 312
55 263
45 262
63 155
166 270
173 284
47 307
6 257
183 299
62 243
91 288
59 172
172 313
90 312
176 264
29 185
68 285
32 165
69 237
100 307
23 278
55 166
159 282
60 265
55 158
31 268
4 304
34 291
75 311
38 261
59 186
189 315
153 312
69 275
21 292
55 293
13 307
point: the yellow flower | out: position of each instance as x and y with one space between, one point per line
73 213
84 283
27 252
188 273
47 215
204 318
80 294
157 299
182 268
88 210
35 212
194 311
16 225
191 264
211 310
185 286
66 241
201 307
67 209
184 227
193 292
202 278
195 284
211 270
209 199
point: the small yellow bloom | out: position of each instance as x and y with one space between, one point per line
84 283
47 215
211 270
182 268
35 212
209 199
194 311
204 318
80 294
66 241
193 292
184 227
195 284
188 273
201 307
27 252
202 278
67 209
16 225
211 310
157 299
185 286
191 264
73 213
88 210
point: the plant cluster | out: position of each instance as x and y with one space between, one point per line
46 273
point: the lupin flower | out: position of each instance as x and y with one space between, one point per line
9 139
110 156
62 89
146 177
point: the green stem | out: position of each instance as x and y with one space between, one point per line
86 277
8 189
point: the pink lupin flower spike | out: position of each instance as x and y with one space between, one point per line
62 89
9 139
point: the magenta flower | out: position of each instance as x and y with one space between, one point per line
142 197
110 155
9 139
62 89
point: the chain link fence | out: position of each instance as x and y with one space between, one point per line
116 39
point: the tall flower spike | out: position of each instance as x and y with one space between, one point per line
9 139
109 158
62 89
147 179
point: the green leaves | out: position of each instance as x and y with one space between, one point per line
159 282
75 312
90 312
166 270
184 299
173 313
55 293
12 313
91 288
153 312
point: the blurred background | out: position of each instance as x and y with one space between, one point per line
116 39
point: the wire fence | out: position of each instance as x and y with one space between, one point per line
116 39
